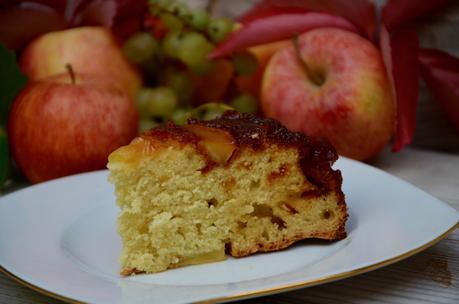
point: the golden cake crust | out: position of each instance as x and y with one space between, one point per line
315 155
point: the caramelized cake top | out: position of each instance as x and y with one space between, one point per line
246 130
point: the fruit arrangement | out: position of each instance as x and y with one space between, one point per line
102 71
190 71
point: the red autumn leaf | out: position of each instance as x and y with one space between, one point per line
129 8
276 28
129 18
72 8
262 11
19 25
7 3
96 12
57 5
124 28
360 12
399 53
22 21
396 13
440 72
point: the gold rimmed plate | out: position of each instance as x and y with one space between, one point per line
60 238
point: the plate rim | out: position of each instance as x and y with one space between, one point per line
265 291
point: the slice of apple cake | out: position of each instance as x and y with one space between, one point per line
238 184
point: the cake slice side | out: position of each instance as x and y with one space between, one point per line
188 196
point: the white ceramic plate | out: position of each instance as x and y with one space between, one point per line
60 238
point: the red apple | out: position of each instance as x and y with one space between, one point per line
345 98
89 50
58 127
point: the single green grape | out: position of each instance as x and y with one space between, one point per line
171 21
198 19
180 116
147 124
142 99
140 47
210 110
163 102
156 102
171 44
245 103
219 29
194 49
180 83
245 63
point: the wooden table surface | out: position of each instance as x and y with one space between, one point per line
431 276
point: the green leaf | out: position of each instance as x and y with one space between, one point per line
11 81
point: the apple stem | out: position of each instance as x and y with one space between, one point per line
72 74
316 79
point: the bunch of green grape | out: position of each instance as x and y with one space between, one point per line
167 62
